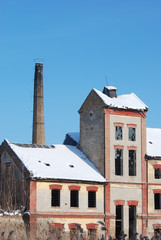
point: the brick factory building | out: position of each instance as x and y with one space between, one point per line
110 171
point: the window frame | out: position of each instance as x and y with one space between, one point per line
157 174
157 200
91 199
74 198
129 136
57 196
118 133
119 162
132 161
119 220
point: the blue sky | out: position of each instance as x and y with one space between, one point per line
80 42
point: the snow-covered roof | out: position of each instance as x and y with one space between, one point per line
58 162
111 88
127 101
154 142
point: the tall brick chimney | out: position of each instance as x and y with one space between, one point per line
38 135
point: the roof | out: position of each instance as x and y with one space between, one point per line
154 142
74 135
127 101
58 162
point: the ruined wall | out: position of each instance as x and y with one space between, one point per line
14 188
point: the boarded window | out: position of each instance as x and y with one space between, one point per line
91 199
74 198
55 198
157 200
119 162
119 220
118 133
132 134
132 163
157 173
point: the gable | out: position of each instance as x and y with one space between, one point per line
92 101
5 149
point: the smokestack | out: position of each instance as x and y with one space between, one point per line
38 135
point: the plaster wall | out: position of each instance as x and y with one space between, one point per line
66 221
125 142
44 192
151 172
126 193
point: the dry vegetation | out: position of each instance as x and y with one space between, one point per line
13 228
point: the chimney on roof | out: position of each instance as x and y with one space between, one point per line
38 135
110 91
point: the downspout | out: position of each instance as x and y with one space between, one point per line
147 186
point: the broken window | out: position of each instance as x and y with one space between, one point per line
132 134
74 198
157 200
119 221
74 234
55 198
119 162
91 199
132 222
132 163
157 173
157 233
118 133
92 233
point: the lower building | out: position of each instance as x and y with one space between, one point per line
57 185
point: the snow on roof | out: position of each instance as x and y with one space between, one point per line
154 142
60 162
111 88
127 101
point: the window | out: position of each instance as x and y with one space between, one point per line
91 199
55 198
119 220
74 198
92 233
119 162
132 162
132 134
157 233
157 200
157 173
132 221
74 234
118 133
